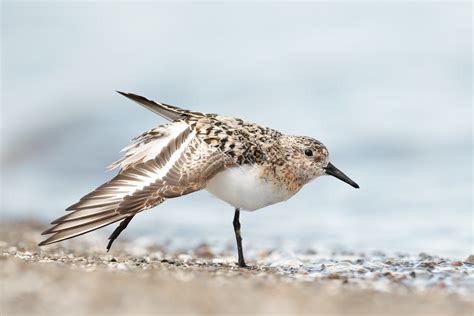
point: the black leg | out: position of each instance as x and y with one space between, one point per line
238 238
120 228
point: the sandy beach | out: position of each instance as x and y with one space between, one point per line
80 278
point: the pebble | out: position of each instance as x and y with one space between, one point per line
204 251
262 253
470 259
122 266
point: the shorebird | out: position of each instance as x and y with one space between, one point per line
242 163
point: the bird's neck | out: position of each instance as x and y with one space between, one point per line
285 176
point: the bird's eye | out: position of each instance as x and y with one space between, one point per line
308 152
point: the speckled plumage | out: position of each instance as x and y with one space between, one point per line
242 163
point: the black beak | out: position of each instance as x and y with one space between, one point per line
333 171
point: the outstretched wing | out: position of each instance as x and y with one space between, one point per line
182 166
186 172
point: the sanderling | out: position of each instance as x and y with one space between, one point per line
244 164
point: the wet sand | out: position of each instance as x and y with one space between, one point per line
80 278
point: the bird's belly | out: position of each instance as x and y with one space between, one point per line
244 188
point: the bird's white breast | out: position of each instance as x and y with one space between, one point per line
244 188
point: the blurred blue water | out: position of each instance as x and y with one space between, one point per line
387 87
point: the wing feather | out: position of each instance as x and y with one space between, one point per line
82 229
182 164
150 145
99 208
188 173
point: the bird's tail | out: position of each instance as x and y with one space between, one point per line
169 112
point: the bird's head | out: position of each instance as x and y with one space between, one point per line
311 159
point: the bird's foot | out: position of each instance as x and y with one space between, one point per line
243 265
